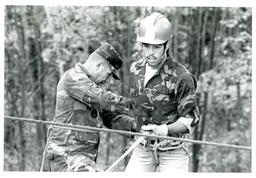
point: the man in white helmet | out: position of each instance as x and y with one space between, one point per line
164 93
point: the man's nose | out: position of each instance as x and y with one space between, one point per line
150 50
108 70
111 81
109 73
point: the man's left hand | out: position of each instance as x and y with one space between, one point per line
161 130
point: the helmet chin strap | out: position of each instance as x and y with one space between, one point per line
164 56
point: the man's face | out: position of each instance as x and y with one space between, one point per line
154 53
103 74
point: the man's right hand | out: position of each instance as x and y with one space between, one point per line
128 103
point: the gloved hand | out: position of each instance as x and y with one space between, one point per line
128 103
160 130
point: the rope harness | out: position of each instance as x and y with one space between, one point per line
153 146
154 154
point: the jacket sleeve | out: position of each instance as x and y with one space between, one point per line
80 87
186 98
116 120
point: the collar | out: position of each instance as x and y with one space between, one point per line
81 67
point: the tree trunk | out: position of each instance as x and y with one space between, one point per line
23 57
193 39
195 152
41 129
108 148
11 99
203 40
239 104
190 39
10 108
213 34
199 41
198 135
175 35
204 116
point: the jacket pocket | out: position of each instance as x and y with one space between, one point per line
162 97
82 117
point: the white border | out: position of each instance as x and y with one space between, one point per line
175 3
184 3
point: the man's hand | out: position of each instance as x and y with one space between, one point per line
128 103
134 126
161 130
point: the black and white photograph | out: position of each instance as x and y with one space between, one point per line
127 88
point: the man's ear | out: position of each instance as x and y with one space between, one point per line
98 65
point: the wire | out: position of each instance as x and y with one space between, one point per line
94 129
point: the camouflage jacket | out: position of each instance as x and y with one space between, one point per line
81 102
168 95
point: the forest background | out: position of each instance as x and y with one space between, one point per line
214 43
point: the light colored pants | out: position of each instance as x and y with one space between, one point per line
170 161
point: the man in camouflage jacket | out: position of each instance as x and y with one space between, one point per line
164 93
83 99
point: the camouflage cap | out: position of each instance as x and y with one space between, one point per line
108 52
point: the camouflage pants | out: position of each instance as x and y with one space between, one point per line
76 163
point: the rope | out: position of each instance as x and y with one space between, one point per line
136 143
94 129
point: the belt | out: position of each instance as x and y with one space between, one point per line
153 145
150 145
